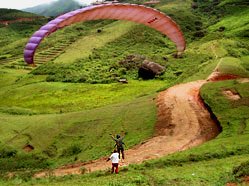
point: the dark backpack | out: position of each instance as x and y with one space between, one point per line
119 143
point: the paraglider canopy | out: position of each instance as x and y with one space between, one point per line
131 12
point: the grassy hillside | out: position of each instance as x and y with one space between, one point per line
36 96
55 134
66 107
20 25
12 14
232 114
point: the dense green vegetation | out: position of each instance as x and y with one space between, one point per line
12 14
65 108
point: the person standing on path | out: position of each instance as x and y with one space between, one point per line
115 160
119 144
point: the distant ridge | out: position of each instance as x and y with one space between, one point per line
56 8
13 14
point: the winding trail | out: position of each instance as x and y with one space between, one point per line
182 122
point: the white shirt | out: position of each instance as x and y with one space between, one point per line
114 157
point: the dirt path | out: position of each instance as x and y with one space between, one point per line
183 122
18 20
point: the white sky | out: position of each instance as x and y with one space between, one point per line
21 4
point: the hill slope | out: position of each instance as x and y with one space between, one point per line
63 136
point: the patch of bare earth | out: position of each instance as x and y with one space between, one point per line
217 76
17 20
230 94
245 181
183 122
243 80
28 148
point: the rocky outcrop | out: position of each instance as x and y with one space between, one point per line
149 70
146 69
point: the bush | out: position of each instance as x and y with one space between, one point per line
16 111
51 151
7 152
20 161
241 170
199 33
73 149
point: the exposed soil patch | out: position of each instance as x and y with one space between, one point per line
243 80
17 20
217 76
231 184
230 94
28 148
183 122
245 181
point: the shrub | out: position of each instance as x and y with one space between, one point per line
241 170
73 149
7 152
23 161
51 151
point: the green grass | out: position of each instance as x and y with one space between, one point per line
12 14
232 114
105 59
94 41
189 173
212 163
71 122
63 130
15 35
233 66
235 24
43 97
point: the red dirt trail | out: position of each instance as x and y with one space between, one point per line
182 122
7 22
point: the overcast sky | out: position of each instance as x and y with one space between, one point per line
20 4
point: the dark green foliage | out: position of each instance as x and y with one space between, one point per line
7 152
190 22
131 62
16 111
26 28
241 170
73 149
2 25
216 9
11 14
23 161
51 151
241 48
